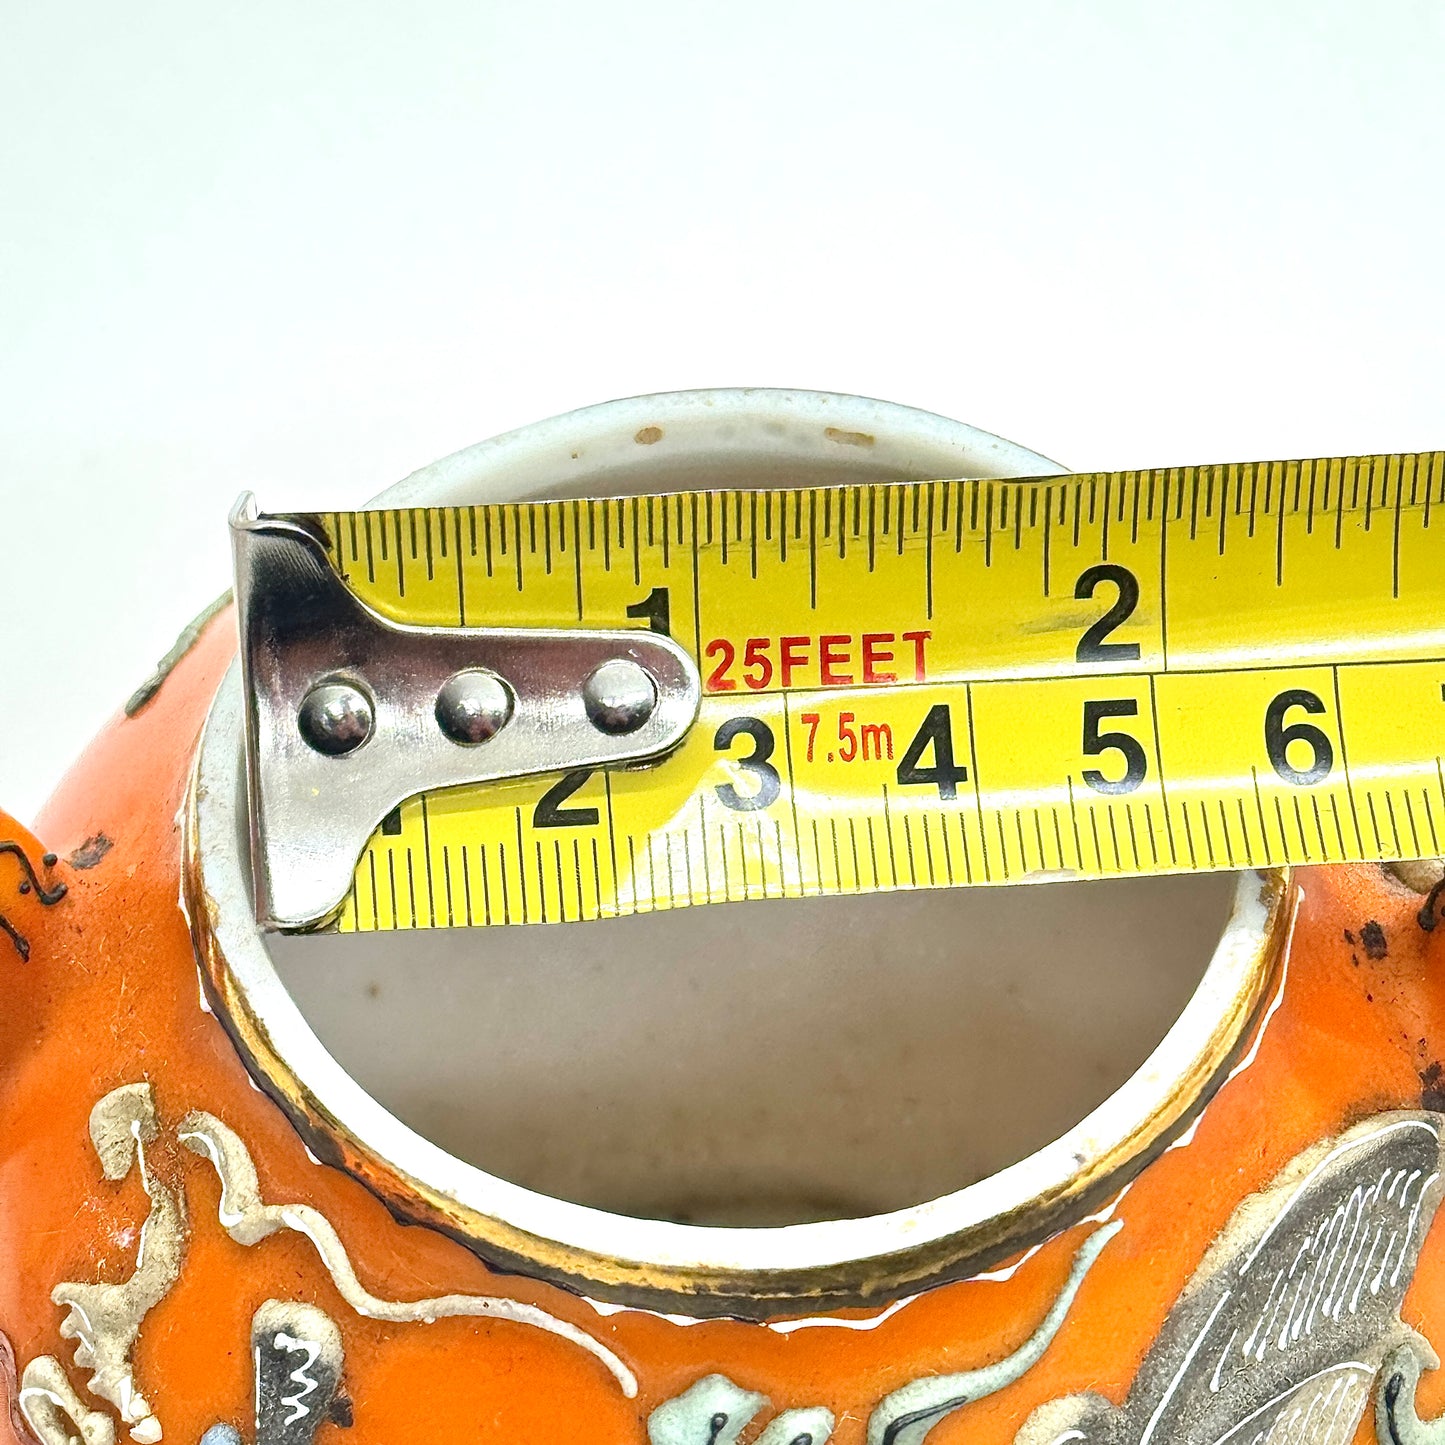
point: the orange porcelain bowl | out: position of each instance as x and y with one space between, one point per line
1153 1160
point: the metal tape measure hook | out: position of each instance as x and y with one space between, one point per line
348 713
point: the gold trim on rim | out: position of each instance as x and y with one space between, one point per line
700 1289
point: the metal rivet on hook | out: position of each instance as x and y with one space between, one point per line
335 717
619 696
473 705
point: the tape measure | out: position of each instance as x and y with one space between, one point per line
952 682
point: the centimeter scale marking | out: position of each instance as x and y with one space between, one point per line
919 684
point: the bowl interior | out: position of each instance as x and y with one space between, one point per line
767 1062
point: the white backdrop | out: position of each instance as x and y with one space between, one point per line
308 248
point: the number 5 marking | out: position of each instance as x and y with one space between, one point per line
1095 742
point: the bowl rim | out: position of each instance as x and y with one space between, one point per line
701 1270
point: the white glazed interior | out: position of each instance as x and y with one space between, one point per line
896 1066
770 1062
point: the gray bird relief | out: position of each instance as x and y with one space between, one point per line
715 1411
1293 1314
1288 1325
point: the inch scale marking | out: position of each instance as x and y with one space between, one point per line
922 684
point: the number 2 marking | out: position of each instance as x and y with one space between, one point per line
1092 647
549 814
718 679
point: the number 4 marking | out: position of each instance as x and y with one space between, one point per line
936 731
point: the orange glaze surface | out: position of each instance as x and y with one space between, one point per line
110 995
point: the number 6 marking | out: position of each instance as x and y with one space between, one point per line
1277 738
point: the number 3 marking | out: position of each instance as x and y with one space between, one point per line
756 762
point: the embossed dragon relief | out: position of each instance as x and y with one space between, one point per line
1289 1324
296 1348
